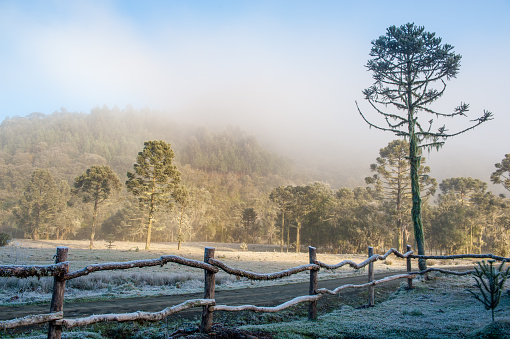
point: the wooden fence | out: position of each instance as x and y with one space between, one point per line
211 266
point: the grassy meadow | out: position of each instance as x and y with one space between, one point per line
438 307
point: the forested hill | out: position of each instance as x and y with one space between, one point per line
68 143
226 170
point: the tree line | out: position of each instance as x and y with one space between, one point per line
464 217
165 202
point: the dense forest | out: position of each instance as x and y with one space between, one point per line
226 188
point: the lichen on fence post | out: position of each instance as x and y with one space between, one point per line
57 298
409 269
371 288
314 277
209 286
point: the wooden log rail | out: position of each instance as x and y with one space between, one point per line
258 276
135 316
21 271
31 320
461 256
210 266
140 263
370 259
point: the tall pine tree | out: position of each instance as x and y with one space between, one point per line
154 179
410 67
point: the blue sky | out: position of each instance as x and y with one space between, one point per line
289 71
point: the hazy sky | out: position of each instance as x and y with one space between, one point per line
289 71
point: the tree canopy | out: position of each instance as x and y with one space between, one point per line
502 173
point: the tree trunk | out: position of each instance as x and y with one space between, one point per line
283 229
298 237
93 229
149 231
179 237
288 238
414 160
151 216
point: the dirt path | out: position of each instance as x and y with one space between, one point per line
260 296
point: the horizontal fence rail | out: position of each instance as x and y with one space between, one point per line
211 266
135 316
140 263
25 271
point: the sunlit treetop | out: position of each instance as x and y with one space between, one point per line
410 67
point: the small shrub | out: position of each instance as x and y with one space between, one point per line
490 281
431 262
5 238
388 262
244 247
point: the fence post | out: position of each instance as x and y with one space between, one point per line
409 280
371 288
314 277
57 298
209 285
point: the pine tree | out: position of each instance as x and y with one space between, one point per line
393 184
153 180
502 173
97 184
410 67
39 205
182 198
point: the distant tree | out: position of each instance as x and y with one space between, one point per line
249 217
302 205
283 198
359 220
456 195
462 188
502 173
393 184
97 184
68 218
319 221
154 179
182 199
407 64
492 216
39 205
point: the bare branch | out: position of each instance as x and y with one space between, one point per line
378 127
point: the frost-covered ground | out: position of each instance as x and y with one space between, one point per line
437 308
169 279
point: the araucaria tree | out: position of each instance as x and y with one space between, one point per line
154 179
39 205
410 67
502 173
97 184
283 199
392 184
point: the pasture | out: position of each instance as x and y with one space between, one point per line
437 307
